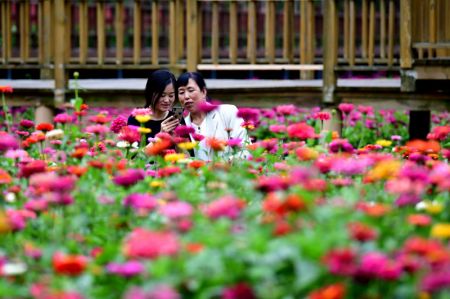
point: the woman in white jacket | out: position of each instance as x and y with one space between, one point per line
219 125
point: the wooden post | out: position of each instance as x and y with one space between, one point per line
233 32
60 74
137 23
45 52
251 32
334 124
215 33
119 19
329 52
288 34
405 34
172 34
192 34
101 39
155 32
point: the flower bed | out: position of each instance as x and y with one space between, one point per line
309 215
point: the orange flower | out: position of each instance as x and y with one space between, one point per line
72 265
5 178
426 147
158 147
215 144
44 127
194 247
196 164
419 219
79 153
76 170
333 291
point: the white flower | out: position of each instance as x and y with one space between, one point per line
10 197
13 268
54 134
123 144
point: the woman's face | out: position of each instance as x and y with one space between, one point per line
165 102
191 95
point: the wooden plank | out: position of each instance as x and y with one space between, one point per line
346 28
233 32
447 24
440 24
119 29
24 25
352 34
172 33
251 32
405 34
330 52
100 33
431 45
288 30
215 33
180 28
83 35
391 32
382 28
137 23
60 75
311 46
200 32
303 32
192 33
371 48
270 31
6 31
155 34
432 27
364 43
68 32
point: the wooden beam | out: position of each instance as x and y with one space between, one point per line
100 33
288 30
382 28
391 32
371 48
137 23
432 27
83 35
352 34
172 33
233 31
270 31
405 34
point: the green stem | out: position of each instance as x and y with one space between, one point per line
6 111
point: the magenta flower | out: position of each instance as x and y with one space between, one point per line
184 131
301 131
32 167
7 142
97 129
206 107
238 291
341 261
141 111
127 269
277 128
436 280
129 134
234 142
346 108
26 123
117 124
129 177
340 145
248 114
286 110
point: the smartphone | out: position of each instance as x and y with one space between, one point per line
177 112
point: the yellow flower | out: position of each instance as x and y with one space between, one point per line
144 130
441 230
433 207
384 170
173 157
143 118
156 184
5 225
384 142
187 145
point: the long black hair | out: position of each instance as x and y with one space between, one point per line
197 77
156 84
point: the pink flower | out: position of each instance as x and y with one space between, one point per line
140 201
238 291
97 129
163 292
340 145
127 269
301 131
142 243
365 109
129 134
322 115
207 107
273 183
286 109
436 280
32 167
234 142
7 142
16 154
226 206
277 128
141 111
341 261
129 177
63 118
117 124
36 205
177 209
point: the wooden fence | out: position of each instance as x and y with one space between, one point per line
304 35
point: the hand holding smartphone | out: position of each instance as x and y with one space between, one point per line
177 112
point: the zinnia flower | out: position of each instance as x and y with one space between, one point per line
7 142
301 131
127 269
44 127
226 206
129 177
72 265
142 243
117 124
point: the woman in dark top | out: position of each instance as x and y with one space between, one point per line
160 96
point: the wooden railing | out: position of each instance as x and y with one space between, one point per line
304 35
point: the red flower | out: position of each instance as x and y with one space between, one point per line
44 127
333 291
158 148
32 167
361 232
72 265
238 291
6 89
